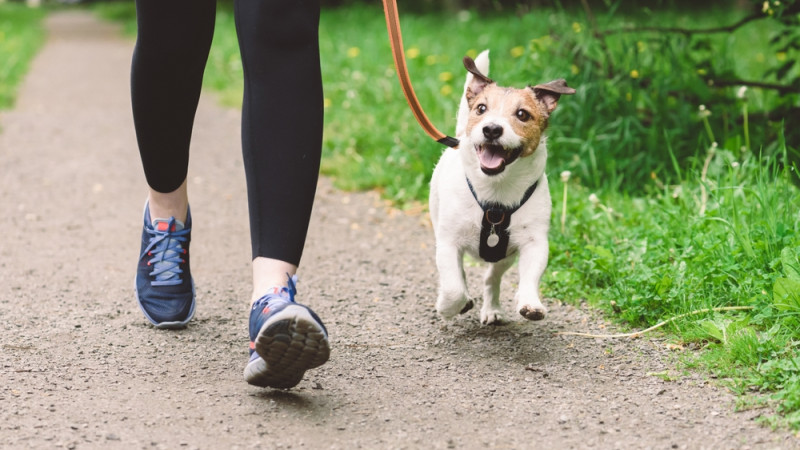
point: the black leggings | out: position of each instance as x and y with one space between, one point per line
281 113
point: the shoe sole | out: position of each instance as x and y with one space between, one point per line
289 343
174 325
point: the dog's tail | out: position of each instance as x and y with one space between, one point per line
482 63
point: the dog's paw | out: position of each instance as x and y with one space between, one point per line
533 313
450 308
491 317
470 304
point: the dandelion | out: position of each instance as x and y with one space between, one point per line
735 164
353 52
517 51
327 103
576 27
593 199
472 53
781 56
445 76
634 73
446 90
565 176
430 60
641 46
574 69
741 91
765 7
412 53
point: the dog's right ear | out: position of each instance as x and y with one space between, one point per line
479 80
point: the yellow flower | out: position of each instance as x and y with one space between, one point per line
472 53
628 96
574 69
445 76
412 53
446 90
641 46
327 103
353 52
634 73
517 51
781 56
576 27
430 60
702 71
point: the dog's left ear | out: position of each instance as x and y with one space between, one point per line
479 80
550 92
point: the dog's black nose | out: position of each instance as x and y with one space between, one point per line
492 132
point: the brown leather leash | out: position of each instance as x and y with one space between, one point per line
396 41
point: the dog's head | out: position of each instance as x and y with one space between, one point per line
506 123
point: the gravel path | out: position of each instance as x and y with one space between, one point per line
80 368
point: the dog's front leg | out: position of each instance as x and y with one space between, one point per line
491 312
532 262
453 297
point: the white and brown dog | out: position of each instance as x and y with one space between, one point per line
490 197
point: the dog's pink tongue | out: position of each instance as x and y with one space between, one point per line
491 158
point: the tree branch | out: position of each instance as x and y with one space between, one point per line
685 31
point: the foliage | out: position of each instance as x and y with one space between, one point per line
21 35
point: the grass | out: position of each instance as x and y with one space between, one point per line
670 207
21 35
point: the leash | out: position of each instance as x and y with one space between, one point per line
396 41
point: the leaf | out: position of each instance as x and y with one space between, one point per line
790 259
785 68
786 294
603 257
714 329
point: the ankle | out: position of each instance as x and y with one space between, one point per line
269 274
171 204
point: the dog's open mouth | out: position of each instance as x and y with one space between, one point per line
494 158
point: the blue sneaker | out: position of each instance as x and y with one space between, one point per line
286 339
164 285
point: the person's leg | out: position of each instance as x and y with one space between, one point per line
281 130
281 145
171 50
170 55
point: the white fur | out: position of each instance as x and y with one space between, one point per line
456 218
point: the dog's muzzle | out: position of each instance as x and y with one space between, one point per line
494 158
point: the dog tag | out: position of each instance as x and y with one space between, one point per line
493 239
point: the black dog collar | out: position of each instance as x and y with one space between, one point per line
494 226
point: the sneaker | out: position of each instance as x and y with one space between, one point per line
164 285
286 339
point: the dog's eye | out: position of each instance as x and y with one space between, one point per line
481 108
523 115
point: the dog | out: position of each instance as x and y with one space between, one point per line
489 198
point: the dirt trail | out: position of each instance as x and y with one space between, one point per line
79 367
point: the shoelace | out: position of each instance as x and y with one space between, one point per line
290 289
166 249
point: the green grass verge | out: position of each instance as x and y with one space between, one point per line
21 35
668 209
